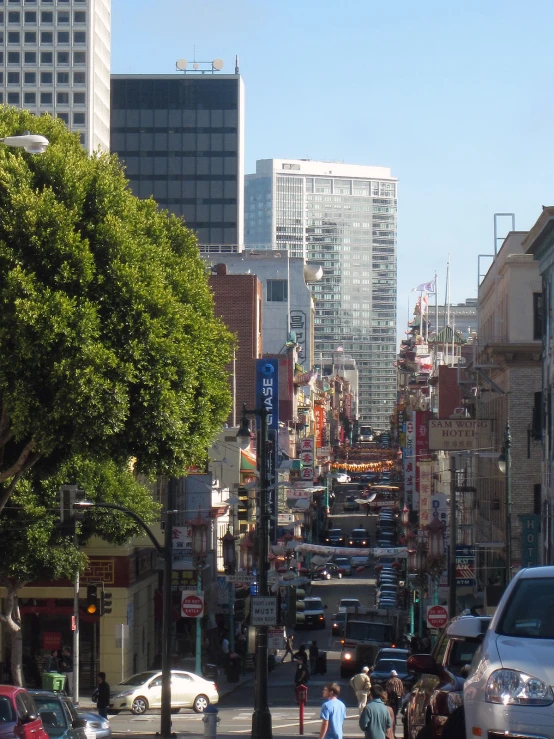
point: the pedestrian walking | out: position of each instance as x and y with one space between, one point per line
333 713
301 654
361 685
314 654
302 674
375 719
101 695
288 648
66 667
395 691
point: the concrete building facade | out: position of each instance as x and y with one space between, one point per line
344 218
55 59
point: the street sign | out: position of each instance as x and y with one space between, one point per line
437 617
241 578
275 638
263 611
192 605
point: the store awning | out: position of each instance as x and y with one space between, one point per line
247 461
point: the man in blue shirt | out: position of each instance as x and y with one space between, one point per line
375 718
333 713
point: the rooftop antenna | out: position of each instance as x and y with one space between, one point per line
237 64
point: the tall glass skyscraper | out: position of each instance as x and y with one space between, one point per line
342 216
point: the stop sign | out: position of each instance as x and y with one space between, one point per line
437 617
192 606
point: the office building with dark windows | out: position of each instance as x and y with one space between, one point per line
342 217
55 58
180 137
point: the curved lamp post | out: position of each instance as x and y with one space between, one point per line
32 143
166 552
199 527
261 718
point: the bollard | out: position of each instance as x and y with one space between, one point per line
301 699
211 720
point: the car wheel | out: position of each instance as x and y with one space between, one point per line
200 704
425 733
139 706
455 727
175 710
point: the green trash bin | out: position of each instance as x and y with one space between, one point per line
53 681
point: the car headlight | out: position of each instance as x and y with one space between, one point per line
455 700
105 725
514 688
347 655
124 694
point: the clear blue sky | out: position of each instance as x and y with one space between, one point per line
455 97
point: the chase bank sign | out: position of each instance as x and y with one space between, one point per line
267 389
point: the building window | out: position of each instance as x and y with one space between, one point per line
14 57
63 78
46 57
14 37
538 316
30 57
78 119
79 57
46 16
277 291
79 78
46 37
46 78
30 98
79 37
13 98
63 16
63 37
30 37
64 117
78 98
79 16
46 98
13 78
30 16
30 78
14 16
63 57
62 98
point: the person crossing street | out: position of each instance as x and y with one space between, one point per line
361 685
395 691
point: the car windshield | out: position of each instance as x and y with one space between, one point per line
386 665
528 612
342 561
339 617
139 679
52 714
334 532
314 604
364 631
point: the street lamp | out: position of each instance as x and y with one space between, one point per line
32 143
166 552
505 466
230 563
199 527
261 718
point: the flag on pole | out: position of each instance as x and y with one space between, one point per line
425 287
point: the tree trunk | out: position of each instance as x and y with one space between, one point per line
11 619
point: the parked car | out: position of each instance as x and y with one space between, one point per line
382 669
338 621
438 691
59 716
19 716
508 691
327 571
344 564
143 691
97 726
358 538
334 537
351 504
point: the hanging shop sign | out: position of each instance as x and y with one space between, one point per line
452 434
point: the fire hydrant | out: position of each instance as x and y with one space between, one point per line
211 720
301 699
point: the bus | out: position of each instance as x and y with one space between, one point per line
365 434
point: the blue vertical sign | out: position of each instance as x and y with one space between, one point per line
267 389
267 395
530 531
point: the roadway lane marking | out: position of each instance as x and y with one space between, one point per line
288 726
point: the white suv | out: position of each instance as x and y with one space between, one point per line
508 692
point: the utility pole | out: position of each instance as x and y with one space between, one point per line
508 454
452 562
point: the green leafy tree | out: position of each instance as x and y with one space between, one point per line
33 545
109 347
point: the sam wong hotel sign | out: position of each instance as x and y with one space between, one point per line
459 434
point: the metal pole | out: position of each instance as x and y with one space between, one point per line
452 562
508 454
76 659
261 718
198 661
412 615
232 616
165 723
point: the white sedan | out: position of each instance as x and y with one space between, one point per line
143 691
508 692
341 477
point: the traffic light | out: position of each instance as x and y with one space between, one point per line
416 596
299 594
242 513
105 603
241 594
92 600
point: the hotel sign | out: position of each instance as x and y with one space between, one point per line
452 434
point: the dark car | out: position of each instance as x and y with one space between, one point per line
338 621
382 670
19 716
344 564
59 715
334 537
358 538
392 653
327 571
439 690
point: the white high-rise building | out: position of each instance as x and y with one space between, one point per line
342 216
55 58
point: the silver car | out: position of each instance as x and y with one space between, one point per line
143 691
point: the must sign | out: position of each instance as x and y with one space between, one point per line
263 611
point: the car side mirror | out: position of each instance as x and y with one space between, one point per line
423 664
28 718
79 723
466 627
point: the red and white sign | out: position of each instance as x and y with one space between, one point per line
437 617
192 606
